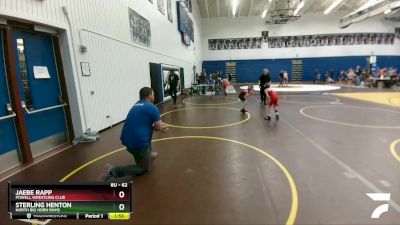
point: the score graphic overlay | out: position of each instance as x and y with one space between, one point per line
70 201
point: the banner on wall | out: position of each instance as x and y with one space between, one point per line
234 43
331 40
169 11
161 6
185 24
304 40
188 4
140 28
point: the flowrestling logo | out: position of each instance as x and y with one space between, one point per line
380 197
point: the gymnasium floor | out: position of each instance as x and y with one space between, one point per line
217 166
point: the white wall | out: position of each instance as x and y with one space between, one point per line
198 36
119 67
315 23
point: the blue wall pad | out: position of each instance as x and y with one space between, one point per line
250 70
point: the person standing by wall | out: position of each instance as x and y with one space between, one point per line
285 79
197 78
265 79
203 80
317 76
358 73
350 76
225 85
142 120
281 79
173 81
342 76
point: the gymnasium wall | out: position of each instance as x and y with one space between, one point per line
250 62
308 24
119 67
250 70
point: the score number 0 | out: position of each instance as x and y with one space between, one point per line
121 194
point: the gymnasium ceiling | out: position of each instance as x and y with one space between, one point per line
223 8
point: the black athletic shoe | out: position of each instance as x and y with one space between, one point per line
267 118
243 111
277 117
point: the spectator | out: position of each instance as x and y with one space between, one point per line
342 76
350 76
142 120
317 76
281 79
285 78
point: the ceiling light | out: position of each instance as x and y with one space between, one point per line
332 6
301 4
368 4
235 4
387 11
264 13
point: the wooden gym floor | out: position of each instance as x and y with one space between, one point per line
217 166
